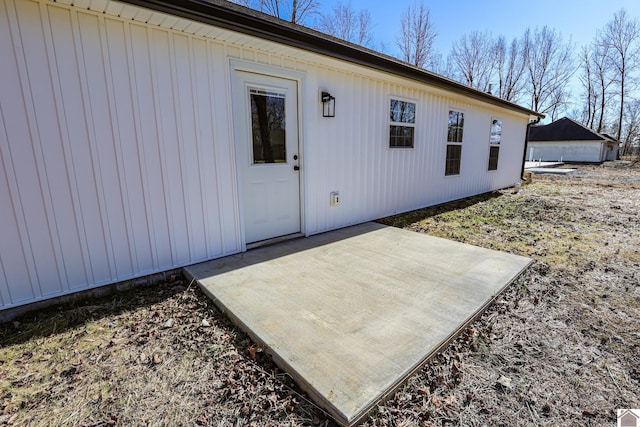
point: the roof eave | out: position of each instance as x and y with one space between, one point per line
237 18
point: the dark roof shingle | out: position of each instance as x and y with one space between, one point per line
563 129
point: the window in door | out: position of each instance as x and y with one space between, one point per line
268 126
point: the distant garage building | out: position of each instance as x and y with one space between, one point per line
569 141
142 136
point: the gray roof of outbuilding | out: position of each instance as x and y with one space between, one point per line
237 18
609 137
563 129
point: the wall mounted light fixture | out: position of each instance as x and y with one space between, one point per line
328 105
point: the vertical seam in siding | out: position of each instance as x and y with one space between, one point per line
116 147
52 220
142 164
215 161
180 141
12 180
63 125
154 220
162 140
33 127
77 205
199 142
175 203
91 142
102 220
97 166
134 248
211 97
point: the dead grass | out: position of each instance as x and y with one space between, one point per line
560 347
156 355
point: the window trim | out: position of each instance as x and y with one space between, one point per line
496 147
453 143
446 160
451 110
494 144
401 124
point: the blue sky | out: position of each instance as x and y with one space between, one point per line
578 19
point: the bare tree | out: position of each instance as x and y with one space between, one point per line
441 65
417 34
603 81
510 68
587 79
473 59
576 113
365 28
347 24
620 37
559 100
294 11
549 68
596 79
302 9
631 125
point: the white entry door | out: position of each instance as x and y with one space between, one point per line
266 129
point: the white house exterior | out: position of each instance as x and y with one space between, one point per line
128 132
569 141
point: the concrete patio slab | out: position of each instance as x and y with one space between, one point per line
529 165
353 312
551 171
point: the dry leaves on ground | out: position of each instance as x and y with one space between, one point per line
561 346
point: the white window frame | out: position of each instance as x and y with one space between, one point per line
401 124
456 143
494 144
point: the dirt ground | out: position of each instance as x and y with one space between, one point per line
561 346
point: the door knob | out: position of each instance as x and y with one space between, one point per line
296 168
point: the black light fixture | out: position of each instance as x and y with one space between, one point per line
328 104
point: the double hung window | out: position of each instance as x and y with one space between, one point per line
455 130
494 143
402 124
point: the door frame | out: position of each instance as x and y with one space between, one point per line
237 65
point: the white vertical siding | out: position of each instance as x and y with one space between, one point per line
569 151
350 153
112 167
117 152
